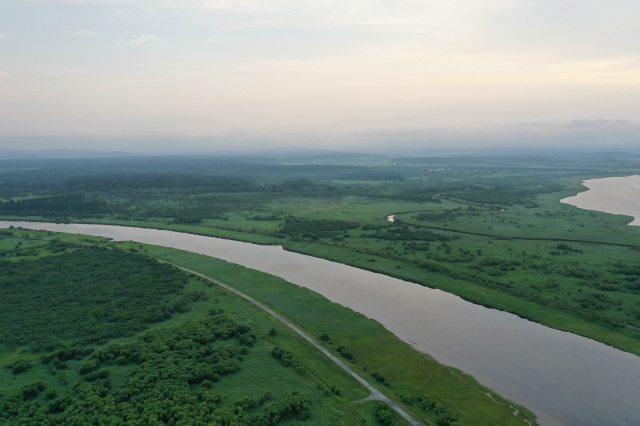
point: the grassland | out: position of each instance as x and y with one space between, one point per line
210 360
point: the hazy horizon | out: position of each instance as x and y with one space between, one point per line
142 74
578 136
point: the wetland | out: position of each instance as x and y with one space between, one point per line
489 230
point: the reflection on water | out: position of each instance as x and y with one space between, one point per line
563 378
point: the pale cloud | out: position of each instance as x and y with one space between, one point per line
571 27
77 33
5 36
242 6
138 39
400 13
4 74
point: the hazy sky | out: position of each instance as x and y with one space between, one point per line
310 71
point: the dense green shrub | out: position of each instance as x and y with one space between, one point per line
80 296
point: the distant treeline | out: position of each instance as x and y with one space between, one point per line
134 181
480 160
533 160
61 205
29 175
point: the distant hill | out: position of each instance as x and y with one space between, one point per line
528 159
57 154
307 155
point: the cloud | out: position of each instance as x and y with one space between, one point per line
242 6
295 13
4 35
77 33
569 28
138 39
4 74
598 124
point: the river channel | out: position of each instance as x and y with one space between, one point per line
565 379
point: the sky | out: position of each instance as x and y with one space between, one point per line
143 74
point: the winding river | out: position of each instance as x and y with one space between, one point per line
565 379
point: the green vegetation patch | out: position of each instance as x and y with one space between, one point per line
173 376
299 228
82 296
68 204
210 364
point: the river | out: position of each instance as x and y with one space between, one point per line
615 195
565 379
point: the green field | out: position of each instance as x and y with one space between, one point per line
116 350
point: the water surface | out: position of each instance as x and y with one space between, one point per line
615 195
563 378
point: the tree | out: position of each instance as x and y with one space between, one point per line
20 366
